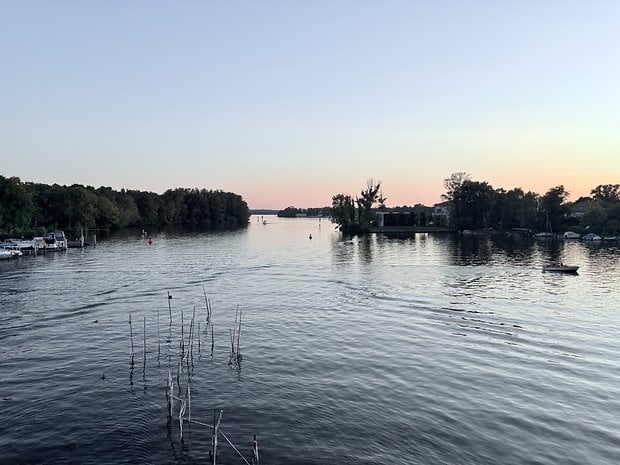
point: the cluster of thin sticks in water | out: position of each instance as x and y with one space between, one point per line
181 397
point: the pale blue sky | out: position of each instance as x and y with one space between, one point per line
291 102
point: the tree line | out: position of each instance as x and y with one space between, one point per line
293 212
33 207
475 205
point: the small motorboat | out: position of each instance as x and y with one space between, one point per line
561 268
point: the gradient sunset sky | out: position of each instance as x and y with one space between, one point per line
291 102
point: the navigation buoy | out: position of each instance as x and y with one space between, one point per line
150 241
310 236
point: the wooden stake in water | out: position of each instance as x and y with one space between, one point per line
170 306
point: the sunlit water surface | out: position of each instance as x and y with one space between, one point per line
373 350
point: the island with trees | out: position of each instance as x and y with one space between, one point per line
470 205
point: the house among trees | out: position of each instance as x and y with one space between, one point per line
441 213
580 207
418 215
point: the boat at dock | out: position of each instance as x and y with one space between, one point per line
19 247
6 254
55 241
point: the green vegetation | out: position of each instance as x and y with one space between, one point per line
30 207
352 219
476 205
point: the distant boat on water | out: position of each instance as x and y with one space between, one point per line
561 268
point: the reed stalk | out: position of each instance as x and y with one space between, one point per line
170 306
207 305
239 338
158 340
182 340
255 452
131 339
144 358
199 340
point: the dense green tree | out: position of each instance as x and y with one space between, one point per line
553 209
16 207
472 204
595 220
603 217
83 207
343 212
606 193
148 204
108 214
514 209
128 210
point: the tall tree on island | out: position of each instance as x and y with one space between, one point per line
368 197
356 220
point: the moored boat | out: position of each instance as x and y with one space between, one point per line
570 235
544 235
55 241
6 254
19 245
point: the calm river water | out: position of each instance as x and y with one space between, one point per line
430 349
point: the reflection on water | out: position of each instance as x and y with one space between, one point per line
377 349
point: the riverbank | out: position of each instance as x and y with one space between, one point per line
409 229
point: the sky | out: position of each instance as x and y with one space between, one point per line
289 102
